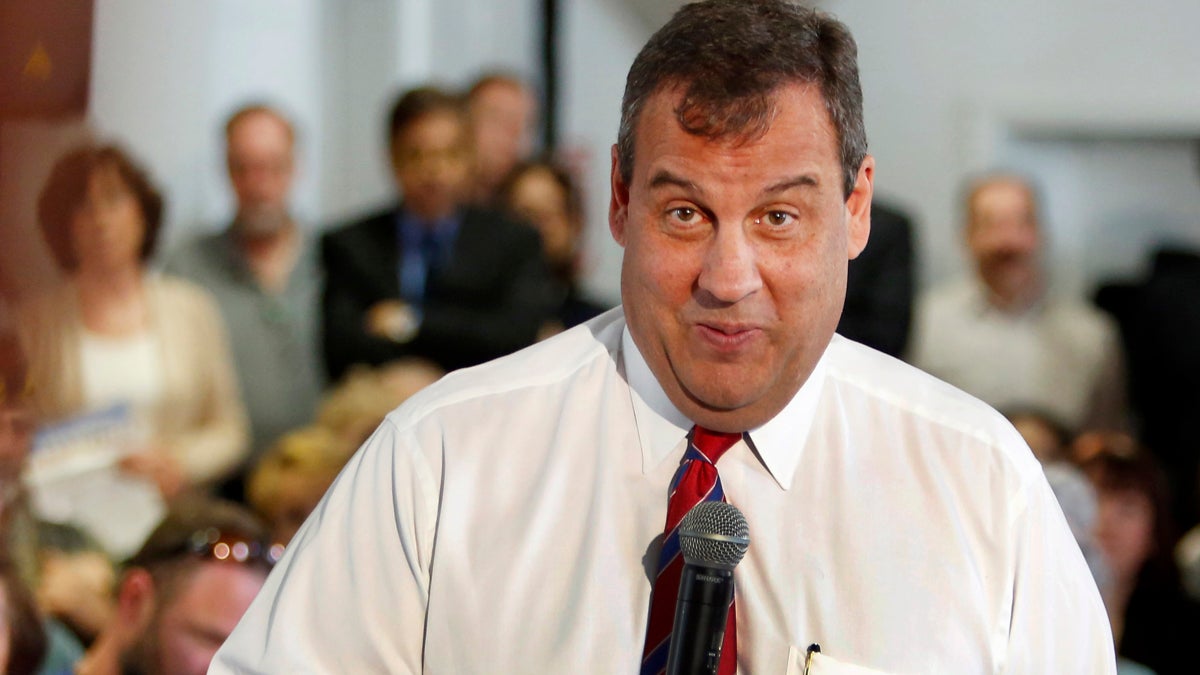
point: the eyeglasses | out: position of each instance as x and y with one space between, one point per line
214 544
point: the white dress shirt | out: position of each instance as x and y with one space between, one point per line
504 521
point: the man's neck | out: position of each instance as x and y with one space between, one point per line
430 219
103 658
270 256
1016 299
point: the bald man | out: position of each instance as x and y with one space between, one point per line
263 270
1001 335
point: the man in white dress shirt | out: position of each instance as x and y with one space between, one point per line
508 518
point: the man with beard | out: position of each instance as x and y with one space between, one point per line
1002 336
263 271
184 591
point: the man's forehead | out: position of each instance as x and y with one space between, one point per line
792 107
210 582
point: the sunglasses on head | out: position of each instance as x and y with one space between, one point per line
212 543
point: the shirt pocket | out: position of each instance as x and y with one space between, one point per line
811 661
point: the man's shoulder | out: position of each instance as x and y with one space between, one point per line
199 256
953 295
498 226
566 361
361 225
927 406
1077 312
174 293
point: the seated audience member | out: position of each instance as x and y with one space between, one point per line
431 277
76 580
23 641
289 480
879 284
544 195
18 527
504 115
1152 620
114 333
365 396
1002 336
262 269
30 642
184 591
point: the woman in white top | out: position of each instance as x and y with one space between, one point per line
116 334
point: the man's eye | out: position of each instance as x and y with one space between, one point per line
684 214
778 218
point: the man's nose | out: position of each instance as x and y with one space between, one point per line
730 269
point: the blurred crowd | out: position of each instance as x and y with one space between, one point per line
233 376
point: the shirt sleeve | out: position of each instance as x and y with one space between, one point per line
219 440
1058 622
351 592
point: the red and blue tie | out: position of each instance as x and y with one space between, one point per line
696 481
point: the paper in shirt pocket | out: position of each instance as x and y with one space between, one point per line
812 661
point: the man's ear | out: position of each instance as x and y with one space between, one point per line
858 208
135 602
618 206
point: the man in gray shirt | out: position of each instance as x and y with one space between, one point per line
264 273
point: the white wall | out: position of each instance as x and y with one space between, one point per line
166 74
599 42
375 49
953 86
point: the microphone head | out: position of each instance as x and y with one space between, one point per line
714 534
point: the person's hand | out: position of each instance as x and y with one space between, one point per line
158 467
391 320
78 587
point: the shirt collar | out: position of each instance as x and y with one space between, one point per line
661 426
411 228
235 260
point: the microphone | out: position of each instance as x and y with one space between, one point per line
713 537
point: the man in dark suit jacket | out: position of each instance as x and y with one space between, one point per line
879 284
432 277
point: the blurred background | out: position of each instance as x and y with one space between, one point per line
1097 100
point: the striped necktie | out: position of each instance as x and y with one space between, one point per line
695 481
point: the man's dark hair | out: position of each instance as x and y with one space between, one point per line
416 103
730 56
559 173
192 532
66 190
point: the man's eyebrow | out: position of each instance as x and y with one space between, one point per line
805 180
663 178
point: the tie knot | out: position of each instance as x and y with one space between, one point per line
712 444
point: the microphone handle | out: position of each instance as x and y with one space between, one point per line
701 614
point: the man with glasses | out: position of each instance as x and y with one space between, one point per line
182 593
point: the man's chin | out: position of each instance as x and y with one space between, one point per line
261 222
